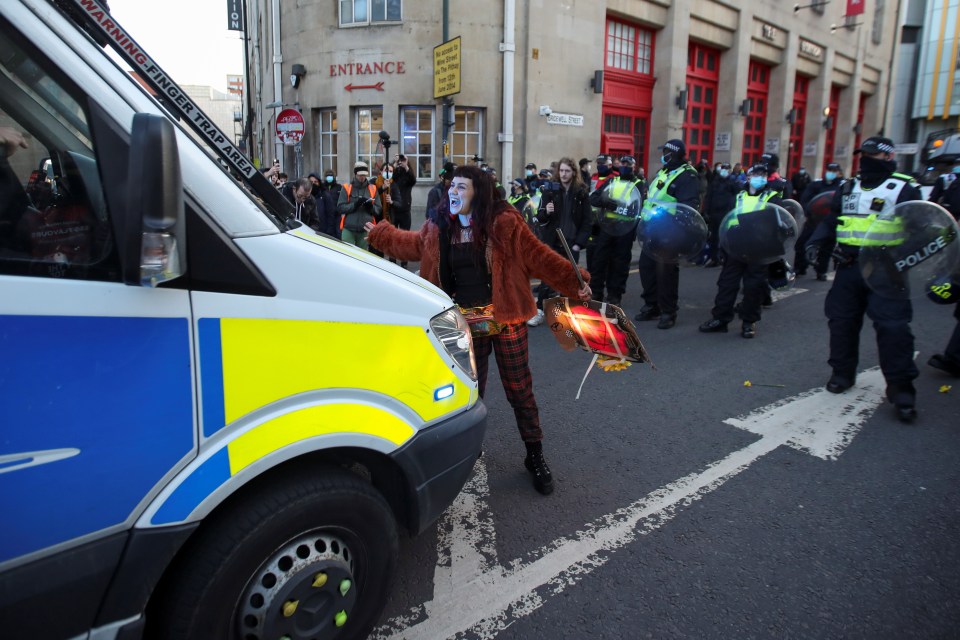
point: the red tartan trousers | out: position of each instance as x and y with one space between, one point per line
511 351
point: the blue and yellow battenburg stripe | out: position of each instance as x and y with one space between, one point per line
250 364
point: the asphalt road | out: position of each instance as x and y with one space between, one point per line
777 543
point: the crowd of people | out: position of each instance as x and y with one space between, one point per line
484 245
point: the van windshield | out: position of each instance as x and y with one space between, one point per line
98 23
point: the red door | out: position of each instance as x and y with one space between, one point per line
627 90
758 89
703 77
801 91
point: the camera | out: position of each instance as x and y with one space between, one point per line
551 187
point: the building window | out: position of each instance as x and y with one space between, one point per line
364 12
629 48
416 140
467 135
327 129
369 123
876 34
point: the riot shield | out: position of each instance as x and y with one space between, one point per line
670 232
531 211
619 209
908 249
796 210
819 207
761 236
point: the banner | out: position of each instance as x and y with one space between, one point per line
234 15
855 7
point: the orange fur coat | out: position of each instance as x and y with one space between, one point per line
518 257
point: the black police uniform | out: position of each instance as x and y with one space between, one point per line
946 193
813 190
609 255
661 282
752 275
850 297
721 197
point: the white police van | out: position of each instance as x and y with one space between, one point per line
213 421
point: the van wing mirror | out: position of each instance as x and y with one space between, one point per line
155 197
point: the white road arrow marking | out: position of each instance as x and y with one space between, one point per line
472 592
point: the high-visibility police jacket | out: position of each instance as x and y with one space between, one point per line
747 203
520 199
860 207
657 191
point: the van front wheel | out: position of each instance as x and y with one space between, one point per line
311 556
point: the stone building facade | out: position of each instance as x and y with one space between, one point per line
544 79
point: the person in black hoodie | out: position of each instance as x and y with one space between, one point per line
855 207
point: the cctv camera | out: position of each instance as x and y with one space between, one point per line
545 110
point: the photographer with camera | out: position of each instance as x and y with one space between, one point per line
405 180
564 206
358 204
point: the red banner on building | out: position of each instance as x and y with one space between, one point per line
855 7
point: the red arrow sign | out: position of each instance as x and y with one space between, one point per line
378 86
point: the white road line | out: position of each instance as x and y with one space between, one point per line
472 592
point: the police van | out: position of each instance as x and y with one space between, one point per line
213 421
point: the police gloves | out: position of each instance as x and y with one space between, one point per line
812 253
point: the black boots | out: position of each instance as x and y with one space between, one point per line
902 396
648 312
838 383
713 326
537 466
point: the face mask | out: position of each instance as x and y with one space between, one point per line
626 172
830 176
387 175
329 179
664 159
603 170
758 182
955 169
724 173
802 171
529 173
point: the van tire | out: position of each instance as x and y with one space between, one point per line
267 549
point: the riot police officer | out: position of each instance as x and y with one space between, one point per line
855 207
753 274
609 263
676 181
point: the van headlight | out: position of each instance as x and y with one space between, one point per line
454 333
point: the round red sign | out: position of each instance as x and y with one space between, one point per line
290 126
